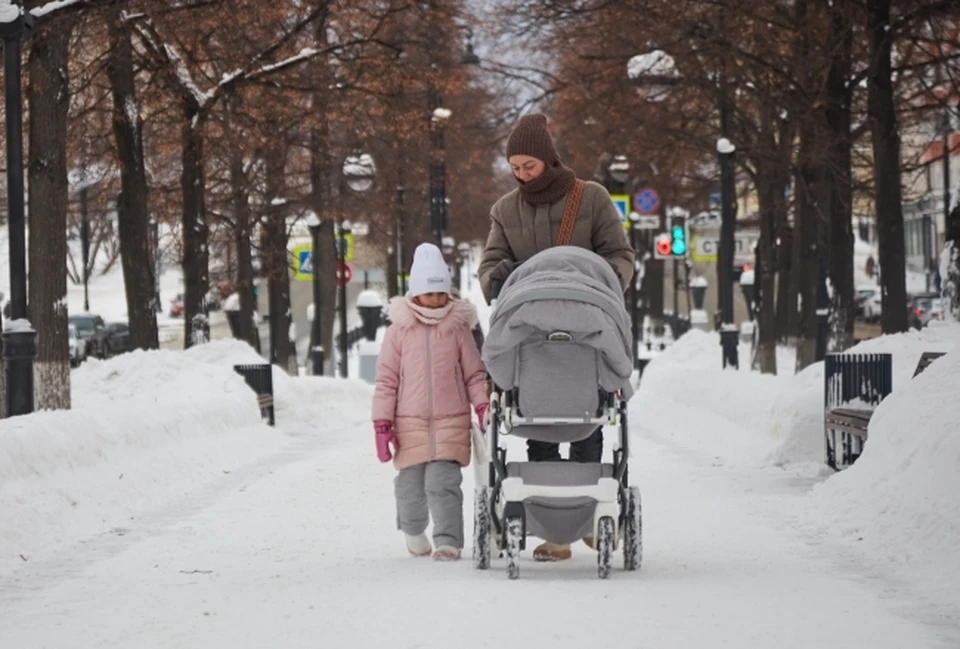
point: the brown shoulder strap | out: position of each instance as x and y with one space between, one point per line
570 211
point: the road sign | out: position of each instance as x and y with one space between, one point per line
646 201
344 274
646 221
303 263
622 203
704 249
345 246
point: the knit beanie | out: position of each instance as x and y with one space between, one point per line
429 272
530 137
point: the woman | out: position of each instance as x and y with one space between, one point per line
536 216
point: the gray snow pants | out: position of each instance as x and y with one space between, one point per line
431 489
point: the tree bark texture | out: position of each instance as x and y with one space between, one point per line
765 275
882 116
242 226
48 96
806 249
950 264
196 255
840 179
133 216
277 265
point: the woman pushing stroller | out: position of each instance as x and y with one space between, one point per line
551 207
429 373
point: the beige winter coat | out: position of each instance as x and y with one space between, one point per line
519 230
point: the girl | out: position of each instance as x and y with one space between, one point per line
429 372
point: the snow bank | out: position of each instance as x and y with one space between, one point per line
145 427
727 410
798 411
900 502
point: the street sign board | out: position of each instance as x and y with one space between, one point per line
622 203
345 246
344 274
646 201
704 249
646 221
303 263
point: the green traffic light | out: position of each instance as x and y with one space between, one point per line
679 247
678 232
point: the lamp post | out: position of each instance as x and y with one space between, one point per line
633 293
316 324
360 173
438 118
19 337
729 336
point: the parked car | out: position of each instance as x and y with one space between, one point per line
88 324
919 307
861 298
78 347
113 339
176 306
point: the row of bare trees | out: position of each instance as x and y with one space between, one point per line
224 122
819 96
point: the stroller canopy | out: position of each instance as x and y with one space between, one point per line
567 289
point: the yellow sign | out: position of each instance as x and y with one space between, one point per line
303 256
303 263
622 203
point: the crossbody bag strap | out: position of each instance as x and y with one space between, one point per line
570 211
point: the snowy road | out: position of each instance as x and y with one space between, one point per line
299 550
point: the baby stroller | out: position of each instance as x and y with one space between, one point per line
559 354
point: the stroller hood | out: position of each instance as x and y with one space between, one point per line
567 289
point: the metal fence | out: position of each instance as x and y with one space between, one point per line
857 379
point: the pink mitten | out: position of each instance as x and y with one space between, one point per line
481 411
385 436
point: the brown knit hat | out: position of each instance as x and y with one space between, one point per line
530 137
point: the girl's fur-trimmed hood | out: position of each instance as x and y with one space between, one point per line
462 314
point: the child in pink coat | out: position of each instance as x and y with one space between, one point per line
429 373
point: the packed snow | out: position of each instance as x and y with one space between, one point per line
163 512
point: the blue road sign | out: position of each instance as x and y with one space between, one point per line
646 201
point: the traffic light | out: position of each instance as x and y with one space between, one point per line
678 236
672 244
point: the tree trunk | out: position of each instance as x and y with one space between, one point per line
840 180
196 255
246 329
275 257
49 100
950 263
881 112
765 274
133 216
806 250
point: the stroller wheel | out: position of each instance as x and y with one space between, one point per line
605 541
514 530
632 531
481 528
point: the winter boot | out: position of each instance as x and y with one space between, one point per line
446 553
551 552
418 545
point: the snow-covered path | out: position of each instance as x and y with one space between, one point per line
299 550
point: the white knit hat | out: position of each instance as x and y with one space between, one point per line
429 273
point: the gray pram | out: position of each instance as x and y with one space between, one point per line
558 352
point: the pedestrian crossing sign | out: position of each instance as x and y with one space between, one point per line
303 263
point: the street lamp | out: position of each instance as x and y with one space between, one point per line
634 283
19 337
360 173
438 117
316 326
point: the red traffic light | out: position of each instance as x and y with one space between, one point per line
663 246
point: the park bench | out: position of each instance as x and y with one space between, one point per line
259 377
854 385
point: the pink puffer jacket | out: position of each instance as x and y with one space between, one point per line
427 378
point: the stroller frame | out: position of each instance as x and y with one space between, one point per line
500 513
